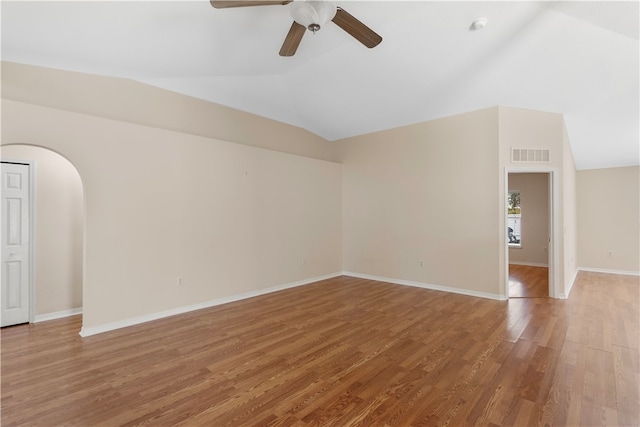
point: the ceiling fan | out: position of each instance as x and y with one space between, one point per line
311 15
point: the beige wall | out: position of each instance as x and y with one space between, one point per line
179 187
534 201
609 219
58 229
169 193
129 101
228 218
434 192
425 192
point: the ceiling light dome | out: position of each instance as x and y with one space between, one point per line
313 14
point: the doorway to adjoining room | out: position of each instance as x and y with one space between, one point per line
528 234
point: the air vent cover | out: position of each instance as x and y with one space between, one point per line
530 155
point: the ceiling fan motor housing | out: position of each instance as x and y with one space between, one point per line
313 14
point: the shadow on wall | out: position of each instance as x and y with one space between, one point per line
59 229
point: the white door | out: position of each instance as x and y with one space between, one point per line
15 299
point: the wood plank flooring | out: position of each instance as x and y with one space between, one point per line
341 352
528 282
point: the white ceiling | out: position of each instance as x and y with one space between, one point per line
575 58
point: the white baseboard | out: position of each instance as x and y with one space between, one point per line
85 332
467 292
57 315
528 264
602 270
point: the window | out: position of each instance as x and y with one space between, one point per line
514 219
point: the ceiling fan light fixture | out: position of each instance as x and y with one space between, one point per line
313 14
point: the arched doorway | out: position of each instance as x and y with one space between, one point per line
58 232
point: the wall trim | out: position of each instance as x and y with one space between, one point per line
85 332
529 264
607 271
57 315
426 286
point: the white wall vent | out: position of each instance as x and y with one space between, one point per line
530 155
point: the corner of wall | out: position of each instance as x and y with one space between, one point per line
570 213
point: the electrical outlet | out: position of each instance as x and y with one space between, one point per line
421 263
180 281
609 252
304 261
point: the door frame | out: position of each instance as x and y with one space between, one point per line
32 229
554 223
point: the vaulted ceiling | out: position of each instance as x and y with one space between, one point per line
580 59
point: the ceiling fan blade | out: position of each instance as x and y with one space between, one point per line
357 29
292 40
222 4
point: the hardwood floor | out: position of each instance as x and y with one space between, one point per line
528 282
342 352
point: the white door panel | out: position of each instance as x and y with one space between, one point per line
14 296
